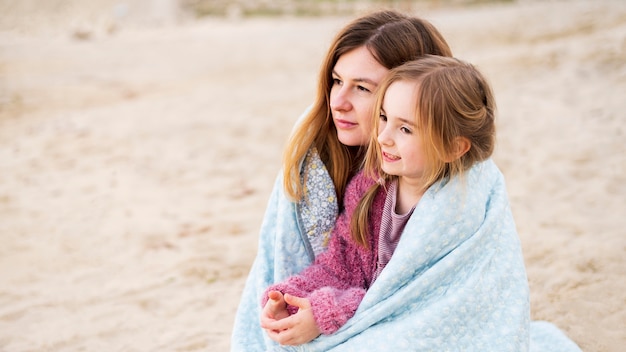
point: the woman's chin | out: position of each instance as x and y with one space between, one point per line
351 139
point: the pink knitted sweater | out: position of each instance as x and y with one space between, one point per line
338 279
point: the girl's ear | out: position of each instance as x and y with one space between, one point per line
461 146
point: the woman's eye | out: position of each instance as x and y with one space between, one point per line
336 81
363 89
383 117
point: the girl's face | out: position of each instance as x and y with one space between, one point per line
355 78
400 143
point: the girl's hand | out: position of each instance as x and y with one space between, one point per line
275 308
296 329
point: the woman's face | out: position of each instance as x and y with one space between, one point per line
356 76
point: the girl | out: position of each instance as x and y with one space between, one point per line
324 152
435 122
450 285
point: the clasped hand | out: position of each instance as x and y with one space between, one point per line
288 329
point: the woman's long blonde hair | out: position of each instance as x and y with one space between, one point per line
393 39
453 100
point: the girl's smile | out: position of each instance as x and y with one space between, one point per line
390 157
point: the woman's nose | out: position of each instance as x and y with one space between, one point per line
339 99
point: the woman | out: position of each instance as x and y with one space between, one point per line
325 151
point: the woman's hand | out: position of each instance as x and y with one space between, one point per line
289 330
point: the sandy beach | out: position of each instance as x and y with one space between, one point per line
139 144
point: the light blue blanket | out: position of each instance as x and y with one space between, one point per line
456 281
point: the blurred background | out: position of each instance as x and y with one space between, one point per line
139 141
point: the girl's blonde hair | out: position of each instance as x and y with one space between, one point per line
393 39
454 101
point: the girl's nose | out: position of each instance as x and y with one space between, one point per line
383 136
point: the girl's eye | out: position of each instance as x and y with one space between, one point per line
383 117
405 130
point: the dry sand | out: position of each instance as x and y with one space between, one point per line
138 148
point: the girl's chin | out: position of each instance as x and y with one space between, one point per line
388 170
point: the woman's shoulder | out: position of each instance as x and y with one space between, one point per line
358 185
361 180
